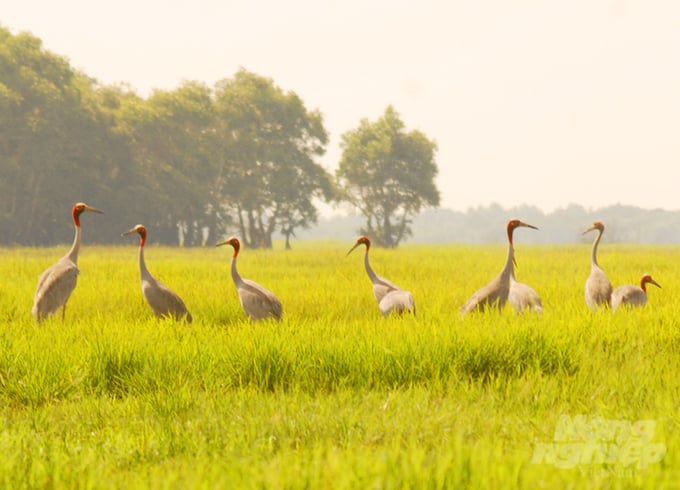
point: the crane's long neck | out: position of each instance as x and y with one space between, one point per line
509 268
75 248
369 270
143 271
234 273
596 243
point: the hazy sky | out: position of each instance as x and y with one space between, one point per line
539 102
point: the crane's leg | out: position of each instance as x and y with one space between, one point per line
63 313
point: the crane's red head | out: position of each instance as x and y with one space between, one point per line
597 225
646 278
141 229
515 223
79 208
233 241
362 240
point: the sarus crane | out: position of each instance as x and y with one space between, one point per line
257 301
390 297
163 301
523 297
495 294
56 284
630 295
598 290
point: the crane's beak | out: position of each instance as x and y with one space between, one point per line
589 229
222 243
514 262
652 281
129 232
521 223
352 249
93 210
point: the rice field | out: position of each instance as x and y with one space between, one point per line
336 396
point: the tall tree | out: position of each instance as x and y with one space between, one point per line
54 147
173 143
388 174
270 142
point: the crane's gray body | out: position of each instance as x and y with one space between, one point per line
257 301
163 301
390 297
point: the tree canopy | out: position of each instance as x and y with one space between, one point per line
193 163
388 175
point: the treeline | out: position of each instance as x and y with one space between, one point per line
486 224
191 164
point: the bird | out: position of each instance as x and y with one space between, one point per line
390 297
163 301
257 301
631 295
598 290
495 294
522 297
57 282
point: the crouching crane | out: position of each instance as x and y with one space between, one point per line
631 295
390 297
257 301
523 297
56 284
163 301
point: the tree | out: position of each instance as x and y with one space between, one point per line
388 174
173 143
269 175
55 148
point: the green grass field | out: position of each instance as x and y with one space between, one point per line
336 396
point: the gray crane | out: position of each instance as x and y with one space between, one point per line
390 297
495 294
163 301
257 301
522 297
56 284
598 289
631 295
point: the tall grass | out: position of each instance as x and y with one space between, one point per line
334 396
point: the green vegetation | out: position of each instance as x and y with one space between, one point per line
244 154
335 396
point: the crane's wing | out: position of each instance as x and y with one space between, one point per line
628 295
521 297
397 301
494 294
382 287
259 302
55 285
164 301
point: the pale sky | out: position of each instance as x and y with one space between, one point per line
535 102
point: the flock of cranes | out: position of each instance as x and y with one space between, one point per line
56 284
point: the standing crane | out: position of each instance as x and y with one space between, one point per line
257 301
598 289
523 297
163 301
495 294
631 295
56 284
390 297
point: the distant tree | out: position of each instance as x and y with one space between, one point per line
173 144
269 143
55 144
388 174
